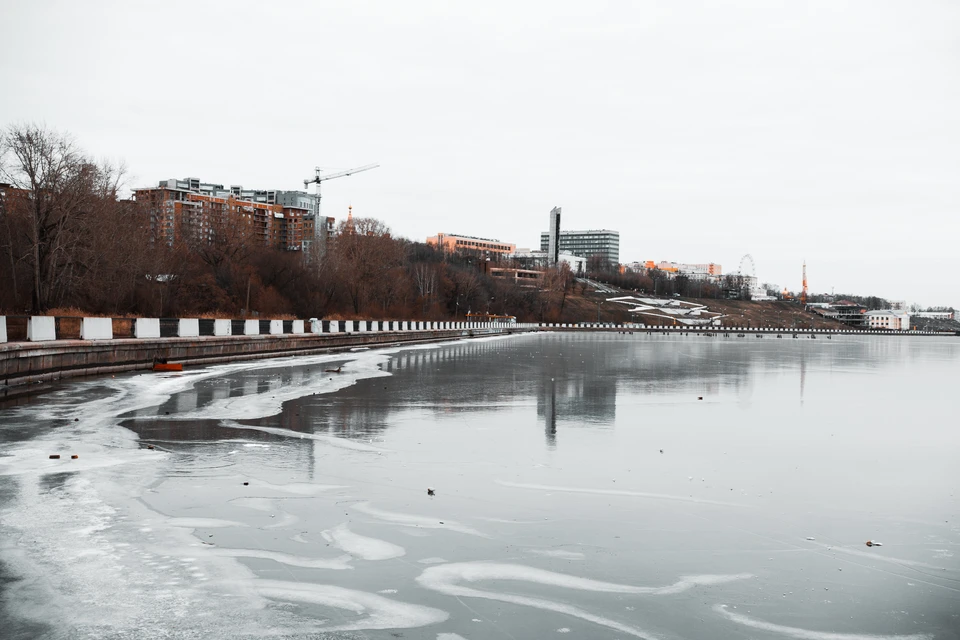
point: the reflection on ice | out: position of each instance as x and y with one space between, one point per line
341 443
807 634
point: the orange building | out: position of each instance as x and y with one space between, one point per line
183 214
453 243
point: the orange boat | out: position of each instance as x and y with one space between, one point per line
167 366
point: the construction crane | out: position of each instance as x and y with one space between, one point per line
323 177
803 294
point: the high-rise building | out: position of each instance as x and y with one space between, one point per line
553 247
586 244
198 211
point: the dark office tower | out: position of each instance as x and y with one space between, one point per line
553 250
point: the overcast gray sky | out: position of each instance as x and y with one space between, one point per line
701 131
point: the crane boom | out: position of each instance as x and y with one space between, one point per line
321 177
319 225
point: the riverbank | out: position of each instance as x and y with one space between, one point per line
26 363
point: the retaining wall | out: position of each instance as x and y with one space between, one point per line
24 362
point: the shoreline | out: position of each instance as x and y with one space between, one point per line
24 364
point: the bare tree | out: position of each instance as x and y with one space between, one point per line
62 188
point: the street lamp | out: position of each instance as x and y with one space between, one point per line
599 302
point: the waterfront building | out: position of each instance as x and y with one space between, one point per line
470 245
586 244
892 319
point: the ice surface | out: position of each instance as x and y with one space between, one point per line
381 613
558 553
615 492
334 441
446 579
203 523
807 634
339 563
361 546
410 520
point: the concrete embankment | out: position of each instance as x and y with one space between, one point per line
23 363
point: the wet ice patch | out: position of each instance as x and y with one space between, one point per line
876 555
376 611
410 520
203 523
558 553
334 441
339 563
616 492
258 504
299 488
808 634
269 401
450 636
362 546
448 579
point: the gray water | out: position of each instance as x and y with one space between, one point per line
583 489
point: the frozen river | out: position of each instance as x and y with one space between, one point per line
586 486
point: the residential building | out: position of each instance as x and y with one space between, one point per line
198 212
470 245
935 315
892 319
587 244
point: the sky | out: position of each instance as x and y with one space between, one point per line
822 131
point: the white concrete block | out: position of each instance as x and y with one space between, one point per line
361 326
251 327
335 326
41 328
96 329
146 328
276 327
3 328
316 325
297 327
222 328
189 328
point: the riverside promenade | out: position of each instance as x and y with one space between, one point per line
45 348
